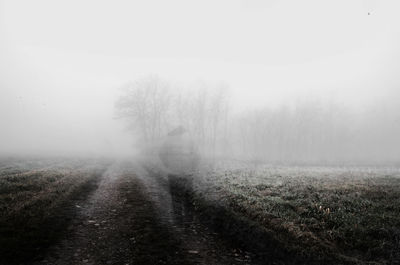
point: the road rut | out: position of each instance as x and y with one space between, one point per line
132 218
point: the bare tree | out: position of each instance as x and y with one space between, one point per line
146 106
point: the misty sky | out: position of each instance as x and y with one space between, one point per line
62 62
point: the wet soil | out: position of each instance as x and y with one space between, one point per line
134 217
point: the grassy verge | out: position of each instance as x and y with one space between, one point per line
305 215
36 206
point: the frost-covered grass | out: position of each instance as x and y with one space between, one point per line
35 196
352 213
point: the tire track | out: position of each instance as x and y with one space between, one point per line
133 219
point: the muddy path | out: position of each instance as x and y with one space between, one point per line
134 218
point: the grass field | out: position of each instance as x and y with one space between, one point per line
36 201
306 215
341 215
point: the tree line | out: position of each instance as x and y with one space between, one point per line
308 132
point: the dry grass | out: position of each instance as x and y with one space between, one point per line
351 213
36 198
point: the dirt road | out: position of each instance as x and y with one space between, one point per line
132 218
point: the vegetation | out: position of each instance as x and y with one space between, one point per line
338 215
296 215
36 202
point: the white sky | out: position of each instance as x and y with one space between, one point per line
61 62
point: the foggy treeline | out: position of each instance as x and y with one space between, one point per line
153 108
309 131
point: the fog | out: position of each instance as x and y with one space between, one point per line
272 81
